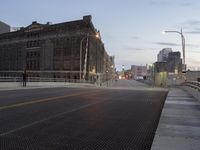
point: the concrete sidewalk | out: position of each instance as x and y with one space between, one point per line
179 126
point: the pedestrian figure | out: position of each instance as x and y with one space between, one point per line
24 78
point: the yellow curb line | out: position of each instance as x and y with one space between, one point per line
40 100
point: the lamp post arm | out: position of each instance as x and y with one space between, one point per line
183 43
174 31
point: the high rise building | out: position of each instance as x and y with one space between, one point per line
169 61
163 54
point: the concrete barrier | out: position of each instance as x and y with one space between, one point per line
19 85
192 91
10 84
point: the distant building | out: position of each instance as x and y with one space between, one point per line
169 61
4 27
163 54
159 73
174 62
13 29
53 51
128 74
138 71
168 66
160 66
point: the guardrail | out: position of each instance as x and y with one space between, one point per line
192 84
38 79
192 87
10 79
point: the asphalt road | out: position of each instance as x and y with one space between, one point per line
79 118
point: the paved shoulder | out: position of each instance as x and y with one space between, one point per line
179 126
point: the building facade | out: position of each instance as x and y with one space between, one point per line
174 62
67 50
138 71
4 27
169 61
160 66
163 54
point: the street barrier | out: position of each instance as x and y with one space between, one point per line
38 79
192 84
192 87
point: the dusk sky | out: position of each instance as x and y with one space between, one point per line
131 29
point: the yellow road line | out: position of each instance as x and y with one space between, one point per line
41 100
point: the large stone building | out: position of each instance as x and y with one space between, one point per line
4 27
53 51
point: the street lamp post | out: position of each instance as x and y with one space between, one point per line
81 45
107 77
183 44
24 74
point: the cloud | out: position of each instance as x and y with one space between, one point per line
166 44
192 45
192 22
153 49
129 48
135 37
187 4
194 29
138 49
197 28
197 51
190 26
192 32
174 44
182 3
159 2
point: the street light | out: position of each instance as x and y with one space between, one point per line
107 77
81 45
183 44
122 67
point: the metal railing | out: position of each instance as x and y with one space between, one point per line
39 79
192 84
10 79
